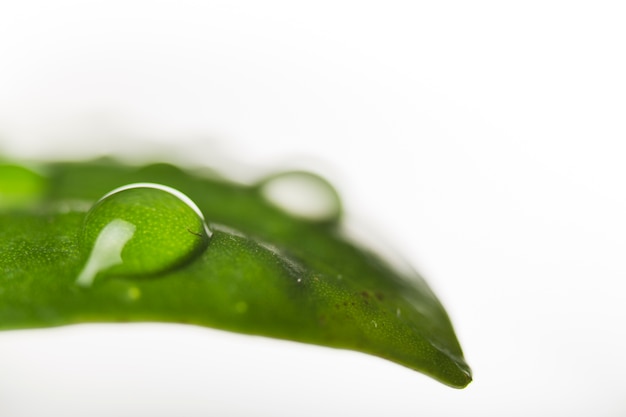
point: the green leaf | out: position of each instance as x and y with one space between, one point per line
262 266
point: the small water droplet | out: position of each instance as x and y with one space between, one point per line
302 194
141 229
19 186
134 293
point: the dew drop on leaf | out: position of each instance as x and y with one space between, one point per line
302 194
19 186
141 229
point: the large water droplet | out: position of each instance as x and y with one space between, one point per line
302 194
141 229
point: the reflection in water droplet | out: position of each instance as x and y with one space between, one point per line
303 194
141 229
107 250
19 186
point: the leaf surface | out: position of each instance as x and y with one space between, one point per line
263 271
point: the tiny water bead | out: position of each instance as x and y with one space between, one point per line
302 194
141 229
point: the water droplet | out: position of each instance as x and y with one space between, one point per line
134 293
141 229
302 194
19 186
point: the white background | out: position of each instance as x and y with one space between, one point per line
482 140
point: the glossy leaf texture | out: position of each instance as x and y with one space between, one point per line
257 267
